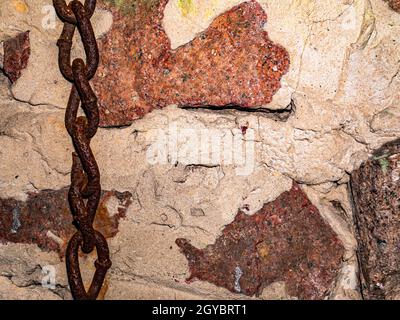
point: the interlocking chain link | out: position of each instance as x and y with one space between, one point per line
85 191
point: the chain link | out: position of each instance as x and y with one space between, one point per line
85 191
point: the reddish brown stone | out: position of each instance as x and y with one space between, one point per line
16 55
376 195
30 221
394 4
232 63
287 240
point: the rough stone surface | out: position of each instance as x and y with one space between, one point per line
343 86
16 55
286 240
232 63
44 219
376 191
335 208
394 4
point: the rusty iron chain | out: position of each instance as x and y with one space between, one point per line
85 191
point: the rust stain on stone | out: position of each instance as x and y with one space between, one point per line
16 55
232 63
45 219
287 240
376 197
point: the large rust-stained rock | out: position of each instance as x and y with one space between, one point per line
233 62
16 55
45 219
287 240
376 196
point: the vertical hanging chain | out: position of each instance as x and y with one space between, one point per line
85 191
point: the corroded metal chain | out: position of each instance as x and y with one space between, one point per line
85 191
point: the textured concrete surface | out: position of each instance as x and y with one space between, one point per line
287 240
343 87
